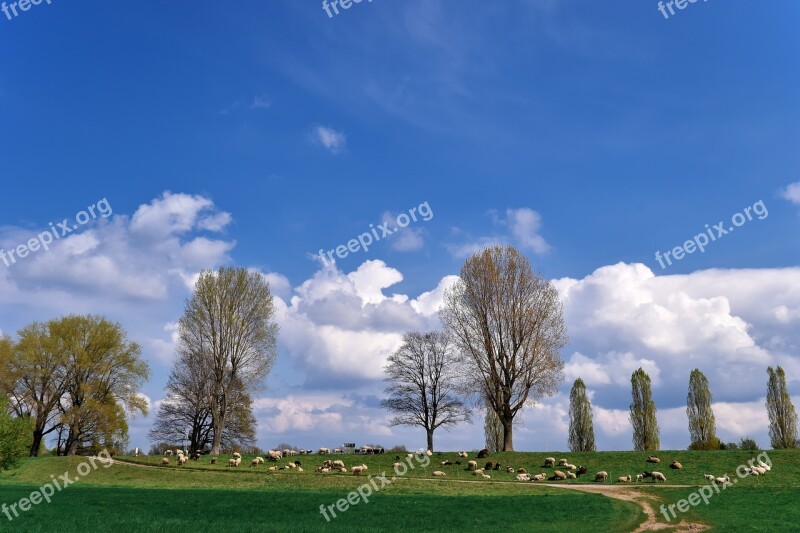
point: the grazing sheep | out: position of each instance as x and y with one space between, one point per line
570 466
562 462
487 476
550 462
489 466
522 471
483 453
657 476
438 473
292 465
446 463
182 460
463 454
164 461
510 470
601 476
396 465
214 460
409 455
323 470
232 462
540 477
523 477
237 455
709 477
725 480
254 462
478 472
558 475
339 464
764 465
653 459
357 470
168 452
582 470
676 465
571 475
760 470
324 451
299 468
428 453
624 479
260 460
496 466
639 477
275 455
458 462
472 465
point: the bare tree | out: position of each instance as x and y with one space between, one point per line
492 430
422 386
782 415
227 324
509 328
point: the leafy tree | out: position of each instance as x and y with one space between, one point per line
105 373
643 413
14 437
782 415
702 426
509 328
227 326
748 443
581 428
422 386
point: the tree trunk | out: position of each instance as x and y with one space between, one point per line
430 439
508 438
37 442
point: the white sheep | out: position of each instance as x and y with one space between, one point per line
478 472
724 480
760 470
558 474
472 465
164 461
487 476
438 473
601 476
658 476
292 465
764 465
324 451
571 475
540 477
570 466
624 479
299 468
232 462
428 453
640 477
463 454
510 470
709 477
168 452
357 470
562 462
396 465
550 461
237 455
409 455
254 462
339 464
523 477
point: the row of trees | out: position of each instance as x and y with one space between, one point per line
226 349
503 332
702 423
77 378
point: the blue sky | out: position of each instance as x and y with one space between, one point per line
589 134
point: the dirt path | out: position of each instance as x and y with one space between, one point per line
619 492
644 501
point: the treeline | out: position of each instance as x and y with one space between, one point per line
702 423
75 379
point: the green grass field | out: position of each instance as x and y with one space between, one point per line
204 496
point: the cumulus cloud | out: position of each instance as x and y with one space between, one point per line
520 226
334 141
792 192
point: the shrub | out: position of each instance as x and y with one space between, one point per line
749 444
398 448
710 444
15 437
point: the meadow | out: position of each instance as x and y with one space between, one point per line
215 497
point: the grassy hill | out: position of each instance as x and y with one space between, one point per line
201 496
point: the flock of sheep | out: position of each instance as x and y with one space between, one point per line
566 470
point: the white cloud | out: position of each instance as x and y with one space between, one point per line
260 102
331 139
525 225
792 192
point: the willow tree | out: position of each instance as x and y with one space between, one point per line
643 413
702 425
782 415
581 428
509 328
492 431
422 384
227 324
